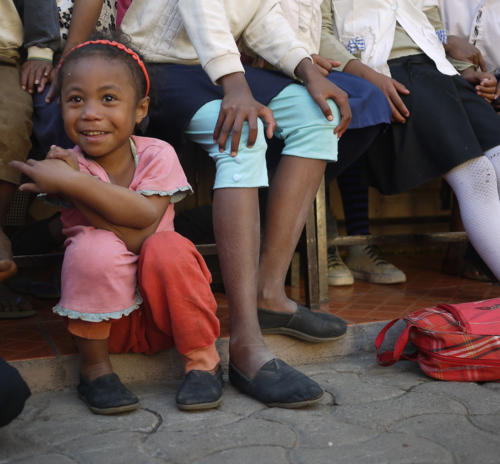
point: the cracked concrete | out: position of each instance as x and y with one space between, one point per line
370 414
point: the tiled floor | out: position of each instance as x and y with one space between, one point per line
45 335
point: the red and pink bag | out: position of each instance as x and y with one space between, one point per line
459 342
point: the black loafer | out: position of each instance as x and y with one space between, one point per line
277 384
107 395
200 390
303 324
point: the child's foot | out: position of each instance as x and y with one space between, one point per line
107 395
200 390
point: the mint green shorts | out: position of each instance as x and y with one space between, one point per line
301 125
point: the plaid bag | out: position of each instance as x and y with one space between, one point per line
459 342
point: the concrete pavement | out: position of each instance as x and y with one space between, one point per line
370 414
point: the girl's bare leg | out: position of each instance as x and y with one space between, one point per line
94 358
237 230
286 214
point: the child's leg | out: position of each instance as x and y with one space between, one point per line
98 284
91 339
364 261
309 143
237 231
476 187
179 304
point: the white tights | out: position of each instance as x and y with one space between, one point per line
476 184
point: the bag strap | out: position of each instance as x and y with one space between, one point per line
388 358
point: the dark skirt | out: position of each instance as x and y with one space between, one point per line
449 124
369 105
180 90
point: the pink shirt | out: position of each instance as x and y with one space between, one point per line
158 172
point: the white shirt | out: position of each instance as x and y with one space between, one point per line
204 31
479 22
373 23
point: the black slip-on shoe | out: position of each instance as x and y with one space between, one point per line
277 384
304 324
107 395
200 390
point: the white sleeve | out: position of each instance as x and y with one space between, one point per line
209 32
271 36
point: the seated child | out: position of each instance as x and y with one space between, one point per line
442 126
120 234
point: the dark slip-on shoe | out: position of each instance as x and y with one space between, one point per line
107 395
304 324
277 384
200 390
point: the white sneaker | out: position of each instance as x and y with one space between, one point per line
365 263
338 273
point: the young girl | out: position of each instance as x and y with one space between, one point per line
443 124
123 188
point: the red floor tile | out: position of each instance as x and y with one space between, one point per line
24 339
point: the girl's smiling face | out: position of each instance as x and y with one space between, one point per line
100 106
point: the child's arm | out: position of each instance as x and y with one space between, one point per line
130 215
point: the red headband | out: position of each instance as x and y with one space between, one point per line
118 45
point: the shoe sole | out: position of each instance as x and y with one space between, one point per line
376 280
111 411
199 406
299 335
298 405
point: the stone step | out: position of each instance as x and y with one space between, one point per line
45 374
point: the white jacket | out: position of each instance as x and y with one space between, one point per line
479 22
373 23
204 31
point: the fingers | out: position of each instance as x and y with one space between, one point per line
57 152
24 76
324 65
345 120
345 114
267 115
222 132
252 130
52 93
235 131
25 168
334 63
29 187
400 87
